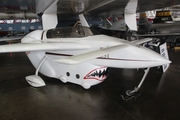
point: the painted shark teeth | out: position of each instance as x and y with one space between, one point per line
98 74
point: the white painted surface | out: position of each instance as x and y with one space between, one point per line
164 53
130 14
93 54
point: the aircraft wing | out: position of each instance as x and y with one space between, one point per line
142 41
90 55
11 38
23 47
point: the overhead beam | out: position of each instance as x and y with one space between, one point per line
43 5
103 3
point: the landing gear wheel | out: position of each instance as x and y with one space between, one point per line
172 45
133 94
129 95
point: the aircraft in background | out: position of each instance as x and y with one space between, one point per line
114 27
7 36
77 55
3 33
163 26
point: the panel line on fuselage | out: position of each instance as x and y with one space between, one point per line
58 54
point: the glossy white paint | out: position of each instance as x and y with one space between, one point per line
83 20
49 17
35 81
91 55
130 14
83 60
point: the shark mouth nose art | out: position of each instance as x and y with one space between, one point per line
98 74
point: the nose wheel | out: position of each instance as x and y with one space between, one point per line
133 94
130 95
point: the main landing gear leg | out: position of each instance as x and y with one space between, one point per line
130 94
35 80
39 66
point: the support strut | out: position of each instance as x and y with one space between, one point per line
35 80
130 94
39 66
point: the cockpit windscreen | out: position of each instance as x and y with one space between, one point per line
69 32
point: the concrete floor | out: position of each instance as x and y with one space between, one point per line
159 100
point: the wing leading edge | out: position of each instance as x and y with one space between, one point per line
142 41
89 56
23 47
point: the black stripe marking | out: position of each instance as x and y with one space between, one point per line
48 53
57 54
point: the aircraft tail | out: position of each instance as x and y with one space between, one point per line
108 23
162 17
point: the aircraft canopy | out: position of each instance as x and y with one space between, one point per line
70 32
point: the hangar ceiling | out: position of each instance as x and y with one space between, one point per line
91 7
97 7
14 6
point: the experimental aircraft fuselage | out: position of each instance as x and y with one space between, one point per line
78 56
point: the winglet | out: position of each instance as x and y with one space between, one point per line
130 14
83 20
49 17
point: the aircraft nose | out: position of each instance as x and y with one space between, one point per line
156 58
165 61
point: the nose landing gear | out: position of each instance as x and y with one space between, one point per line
133 94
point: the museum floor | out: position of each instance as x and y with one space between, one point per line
159 99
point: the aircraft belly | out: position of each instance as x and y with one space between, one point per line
84 74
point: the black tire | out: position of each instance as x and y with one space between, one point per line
172 44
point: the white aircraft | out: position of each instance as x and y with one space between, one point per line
76 55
